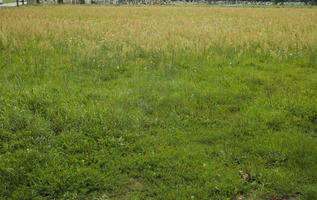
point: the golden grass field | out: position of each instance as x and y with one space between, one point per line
161 28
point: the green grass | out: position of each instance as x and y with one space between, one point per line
9 1
81 121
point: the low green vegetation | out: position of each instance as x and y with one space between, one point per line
9 1
158 103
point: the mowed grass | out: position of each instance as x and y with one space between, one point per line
158 103
9 1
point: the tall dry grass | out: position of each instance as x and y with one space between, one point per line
160 28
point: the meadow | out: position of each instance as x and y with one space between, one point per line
158 102
8 1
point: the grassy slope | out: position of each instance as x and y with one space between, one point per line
162 103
